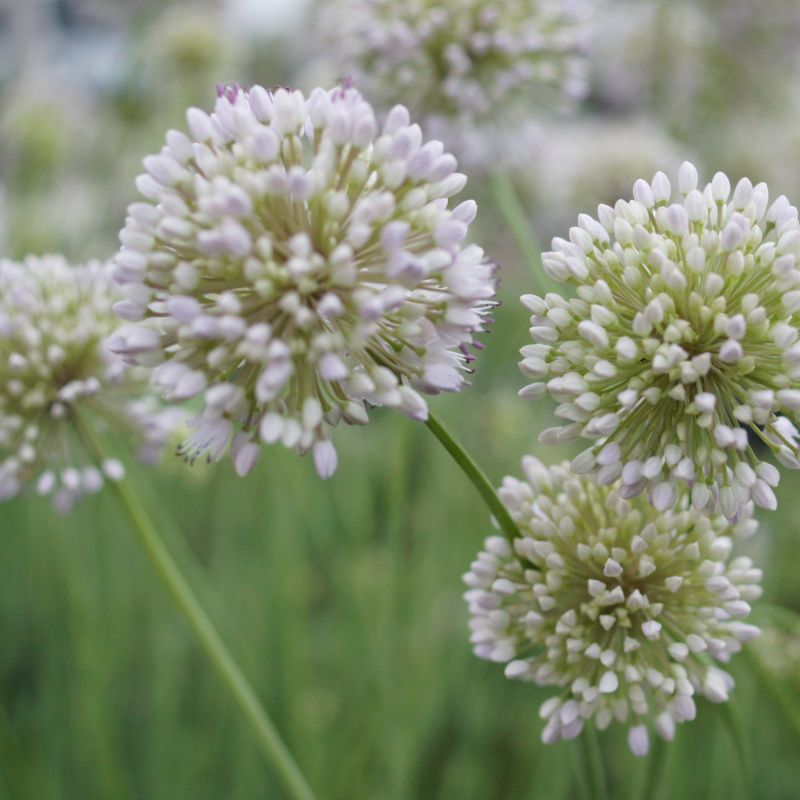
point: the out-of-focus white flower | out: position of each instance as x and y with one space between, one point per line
264 20
187 42
60 386
584 161
465 66
683 336
778 136
624 608
649 54
779 651
294 264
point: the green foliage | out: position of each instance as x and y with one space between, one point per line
342 602
342 599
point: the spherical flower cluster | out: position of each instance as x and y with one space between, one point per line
623 608
293 264
60 387
684 335
462 61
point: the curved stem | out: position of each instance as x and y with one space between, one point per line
207 636
476 475
732 720
174 582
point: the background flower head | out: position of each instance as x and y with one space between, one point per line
683 337
295 263
463 65
624 608
59 384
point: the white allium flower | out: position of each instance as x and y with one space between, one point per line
682 338
649 54
294 264
462 64
255 19
59 384
623 608
187 42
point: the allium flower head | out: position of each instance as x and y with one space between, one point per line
462 60
59 384
295 263
684 335
623 608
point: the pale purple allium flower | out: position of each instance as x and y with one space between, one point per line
59 384
683 338
468 68
623 608
295 263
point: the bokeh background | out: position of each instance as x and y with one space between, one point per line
343 599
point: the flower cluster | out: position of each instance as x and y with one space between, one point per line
462 61
295 263
623 608
60 386
684 335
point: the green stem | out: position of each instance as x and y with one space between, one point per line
593 763
476 475
516 218
174 582
732 719
178 587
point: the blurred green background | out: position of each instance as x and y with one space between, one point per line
343 599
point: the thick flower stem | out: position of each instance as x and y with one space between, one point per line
207 636
476 475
